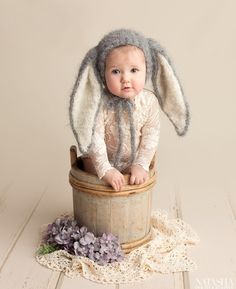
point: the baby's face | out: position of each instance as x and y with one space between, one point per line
125 71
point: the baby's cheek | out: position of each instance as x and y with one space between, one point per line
139 85
112 87
111 81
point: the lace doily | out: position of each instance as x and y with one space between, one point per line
165 253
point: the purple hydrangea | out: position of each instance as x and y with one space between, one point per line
64 233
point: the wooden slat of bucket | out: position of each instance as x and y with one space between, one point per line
120 225
138 216
85 210
73 155
103 216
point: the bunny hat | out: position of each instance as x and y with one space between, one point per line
90 86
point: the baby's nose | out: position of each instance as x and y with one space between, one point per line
125 77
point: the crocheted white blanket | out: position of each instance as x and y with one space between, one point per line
165 253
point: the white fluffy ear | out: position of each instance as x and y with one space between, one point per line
85 100
171 94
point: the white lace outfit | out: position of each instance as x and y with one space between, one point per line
106 138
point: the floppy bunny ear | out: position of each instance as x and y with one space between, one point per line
84 102
168 89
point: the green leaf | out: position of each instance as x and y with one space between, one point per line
46 249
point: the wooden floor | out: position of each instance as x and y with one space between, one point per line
25 208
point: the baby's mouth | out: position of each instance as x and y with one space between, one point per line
126 88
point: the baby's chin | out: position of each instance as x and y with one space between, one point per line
126 95
131 97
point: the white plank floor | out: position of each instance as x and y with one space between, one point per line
22 217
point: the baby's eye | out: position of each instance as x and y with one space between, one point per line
115 71
134 70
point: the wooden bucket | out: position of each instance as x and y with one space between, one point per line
101 209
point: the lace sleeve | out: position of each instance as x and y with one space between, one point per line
98 150
149 137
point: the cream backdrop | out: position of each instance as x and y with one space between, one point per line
42 44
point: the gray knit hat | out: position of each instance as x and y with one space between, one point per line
119 38
89 87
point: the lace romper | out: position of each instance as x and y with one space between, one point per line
105 139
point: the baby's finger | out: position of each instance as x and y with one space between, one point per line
121 178
119 184
122 182
114 185
142 180
132 179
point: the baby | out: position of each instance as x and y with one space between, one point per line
125 75
114 118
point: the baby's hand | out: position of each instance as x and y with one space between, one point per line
138 175
114 178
